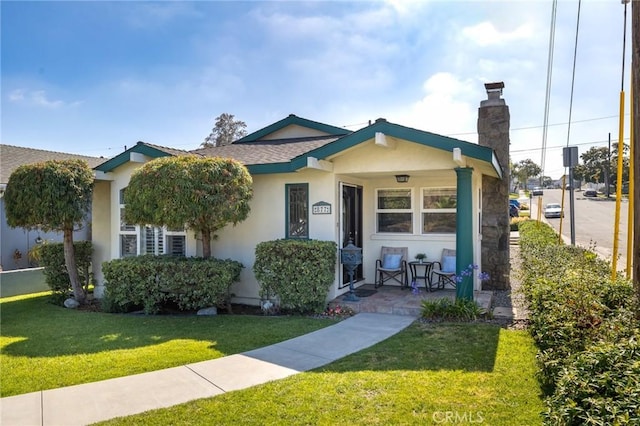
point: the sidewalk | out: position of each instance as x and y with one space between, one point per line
124 396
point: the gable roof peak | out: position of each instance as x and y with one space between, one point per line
294 120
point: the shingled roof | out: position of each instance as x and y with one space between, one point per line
271 150
267 151
12 157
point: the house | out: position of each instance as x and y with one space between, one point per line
382 185
19 240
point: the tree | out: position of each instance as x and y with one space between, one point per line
526 169
597 165
601 166
226 131
52 196
203 194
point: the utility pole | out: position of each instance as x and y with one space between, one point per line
635 96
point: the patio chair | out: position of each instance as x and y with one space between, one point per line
444 271
392 265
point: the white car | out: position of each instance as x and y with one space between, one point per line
553 210
537 191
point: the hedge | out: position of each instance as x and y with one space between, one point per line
153 281
586 329
298 272
51 257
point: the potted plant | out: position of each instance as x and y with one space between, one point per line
420 257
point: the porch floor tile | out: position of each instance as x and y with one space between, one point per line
392 300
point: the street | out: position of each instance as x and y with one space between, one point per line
594 222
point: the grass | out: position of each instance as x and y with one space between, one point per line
68 347
426 374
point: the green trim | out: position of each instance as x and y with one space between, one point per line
293 120
120 159
421 137
287 189
464 231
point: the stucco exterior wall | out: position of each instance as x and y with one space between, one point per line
102 235
266 222
294 131
368 165
23 240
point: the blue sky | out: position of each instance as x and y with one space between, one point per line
93 77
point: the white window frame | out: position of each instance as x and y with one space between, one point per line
409 210
125 230
161 235
424 210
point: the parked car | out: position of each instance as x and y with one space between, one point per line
590 193
514 207
553 210
536 191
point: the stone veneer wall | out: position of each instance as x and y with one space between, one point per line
493 132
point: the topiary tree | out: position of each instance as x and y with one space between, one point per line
203 194
52 196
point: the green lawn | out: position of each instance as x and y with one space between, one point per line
43 346
427 374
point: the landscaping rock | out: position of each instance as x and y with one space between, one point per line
208 311
71 303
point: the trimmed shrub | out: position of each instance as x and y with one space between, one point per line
152 281
447 309
600 386
51 257
515 222
583 324
298 272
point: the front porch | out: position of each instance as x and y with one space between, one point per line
398 301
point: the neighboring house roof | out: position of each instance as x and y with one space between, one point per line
262 155
144 148
12 157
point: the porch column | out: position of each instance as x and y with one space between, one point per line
464 232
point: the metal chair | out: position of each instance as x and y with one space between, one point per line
392 265
444 271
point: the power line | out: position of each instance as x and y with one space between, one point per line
562 146
541 126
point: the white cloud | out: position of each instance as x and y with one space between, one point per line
485 34
16 95
447 107
155 14
37 98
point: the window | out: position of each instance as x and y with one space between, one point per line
297 205
128 235
149 239
439 210
394 210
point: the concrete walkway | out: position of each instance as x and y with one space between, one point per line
124 396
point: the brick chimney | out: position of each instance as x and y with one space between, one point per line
493 132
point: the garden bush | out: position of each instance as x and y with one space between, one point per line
449 310
153 281
298 272
51 257
581 321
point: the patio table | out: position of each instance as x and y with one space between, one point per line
425 275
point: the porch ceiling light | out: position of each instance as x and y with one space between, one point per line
402 178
